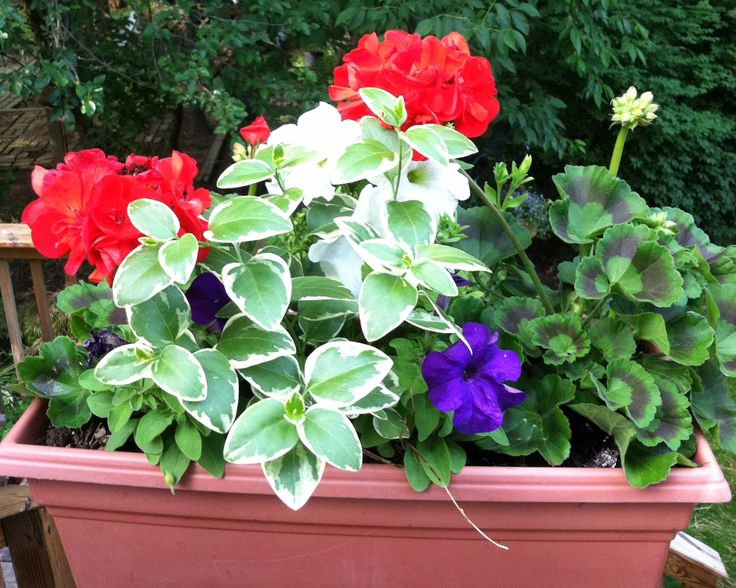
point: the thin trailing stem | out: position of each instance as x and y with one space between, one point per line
528 265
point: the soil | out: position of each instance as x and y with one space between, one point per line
93 435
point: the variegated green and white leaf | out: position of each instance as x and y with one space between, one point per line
162 319
246 344
450 257
244 173
427 321
331 436
124 365
260 287
139 277
318 288
383 255
340 373
178 257
378 399
278 378
153 219
427 141
457 144
294 476
385 302
246 218
216 412
260 434
410 223
434 277
367 159
178 372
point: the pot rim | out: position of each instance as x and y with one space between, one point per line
20 457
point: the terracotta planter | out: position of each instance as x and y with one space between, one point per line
567 527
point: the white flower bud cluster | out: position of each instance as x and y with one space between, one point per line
631 112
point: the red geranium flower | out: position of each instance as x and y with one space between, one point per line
439 80
256 132
82 208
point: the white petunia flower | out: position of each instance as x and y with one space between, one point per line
320 130
339 260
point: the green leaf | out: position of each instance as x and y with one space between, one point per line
409 222
434 277
614 338
362 160
161 319
178 372
119 416
150 427
562 336
212 459
260 287
188 439
55 371
428 142
153 219
330 436
383 255
218 410
591 281
289 201
642 465
69 411
120 436
434 323
385 302
724 299
260 434
415 475
592 200
178 257
173 465
91 301
340 373
451 257
457 144
485 238
389 424
384 105
515 310
672 423
278 378
630 386
294 476
538 424
244 173
246 344
426 416
124 365
139 277
690 339
100 403
642 271
246 218
650 326
434 457
713 406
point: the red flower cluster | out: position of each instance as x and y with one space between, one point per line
439 80
82 209
256 132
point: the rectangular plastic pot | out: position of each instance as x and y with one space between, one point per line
121 526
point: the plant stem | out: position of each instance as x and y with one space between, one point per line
593 312
528 265
398 174
618 150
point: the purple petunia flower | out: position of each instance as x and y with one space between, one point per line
207 296
443 301
472 384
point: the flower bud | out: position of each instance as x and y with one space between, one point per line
239 152
631 112
526 164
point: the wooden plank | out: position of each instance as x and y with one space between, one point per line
25 536
212 156
15 499
11 312
15 236
36 550
42 304
59 565
694 563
